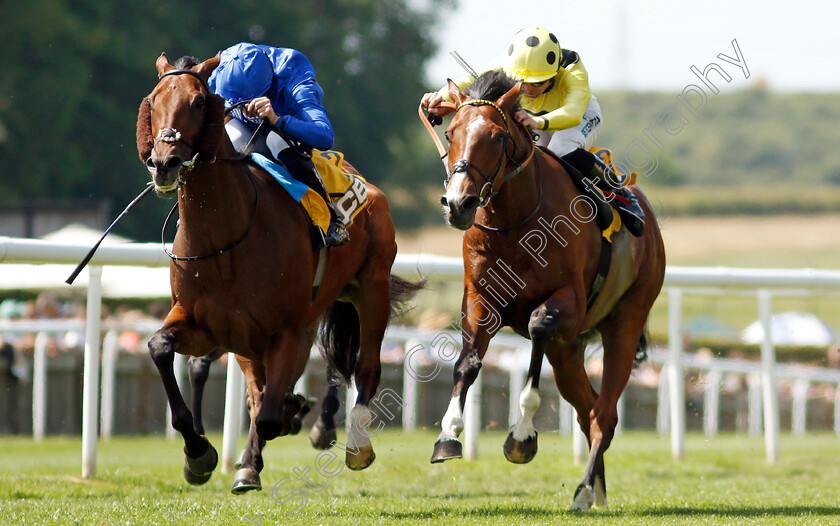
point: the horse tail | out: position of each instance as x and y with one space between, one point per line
402 291
340 339
642 348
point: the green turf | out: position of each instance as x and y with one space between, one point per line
724 480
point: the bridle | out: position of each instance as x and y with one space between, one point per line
172 135
463 165
487 193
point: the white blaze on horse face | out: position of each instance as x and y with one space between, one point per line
460 182
453 421
529 403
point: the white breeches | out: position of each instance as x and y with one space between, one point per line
582 136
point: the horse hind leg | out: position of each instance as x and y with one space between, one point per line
200 456
621 340
323 435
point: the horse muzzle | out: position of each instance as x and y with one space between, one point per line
459 212
166 172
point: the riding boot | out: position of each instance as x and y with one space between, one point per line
606 179
304 171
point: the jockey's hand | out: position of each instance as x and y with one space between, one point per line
431 103
527 119
261 107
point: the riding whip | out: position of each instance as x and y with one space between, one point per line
463 63
86 260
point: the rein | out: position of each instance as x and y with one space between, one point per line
173 135
221 250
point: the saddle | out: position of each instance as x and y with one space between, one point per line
347 191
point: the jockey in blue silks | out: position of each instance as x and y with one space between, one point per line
281 87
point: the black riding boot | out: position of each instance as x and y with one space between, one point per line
626 203
304 171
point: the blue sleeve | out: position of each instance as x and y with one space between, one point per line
297 99
309 122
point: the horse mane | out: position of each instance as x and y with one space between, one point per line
214 121
491 85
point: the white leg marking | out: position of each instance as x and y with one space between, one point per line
453 421
529 402
600 493
357 435
584 500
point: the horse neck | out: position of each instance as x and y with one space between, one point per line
216 201
516 198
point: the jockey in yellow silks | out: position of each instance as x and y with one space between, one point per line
559 104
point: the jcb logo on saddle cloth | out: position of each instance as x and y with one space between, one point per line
348 192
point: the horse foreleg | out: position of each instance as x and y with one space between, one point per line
555 315
198 368
447 446
250 463
201 456
279 405
323 435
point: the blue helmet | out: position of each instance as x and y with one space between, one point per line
244 72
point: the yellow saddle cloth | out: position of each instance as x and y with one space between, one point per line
348 192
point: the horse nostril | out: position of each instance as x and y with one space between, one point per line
173 162
444 202
470 203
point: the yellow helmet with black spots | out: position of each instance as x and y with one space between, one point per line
533 55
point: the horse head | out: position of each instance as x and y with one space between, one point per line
483 140
180 122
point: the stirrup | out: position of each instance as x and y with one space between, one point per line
337 235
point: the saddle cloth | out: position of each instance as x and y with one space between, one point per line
348 192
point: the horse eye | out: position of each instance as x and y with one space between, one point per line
446 136
199 102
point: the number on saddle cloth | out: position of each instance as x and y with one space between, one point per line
348 192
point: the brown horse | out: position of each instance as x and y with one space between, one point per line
243 270
531 255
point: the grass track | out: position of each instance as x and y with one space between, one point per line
724 480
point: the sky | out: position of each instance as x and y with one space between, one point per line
651 44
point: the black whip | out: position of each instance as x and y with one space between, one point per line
86 260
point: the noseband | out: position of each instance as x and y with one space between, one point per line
486 193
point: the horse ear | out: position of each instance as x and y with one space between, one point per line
144 130
162 64
206 68
508 100
455 92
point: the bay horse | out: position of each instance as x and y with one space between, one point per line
323 432
242 274
531 256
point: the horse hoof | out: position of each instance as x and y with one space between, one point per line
584 498
245 480
321 438
198 470
520 452
446 450
360 458
193 479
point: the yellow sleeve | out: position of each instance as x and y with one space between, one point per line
574 89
